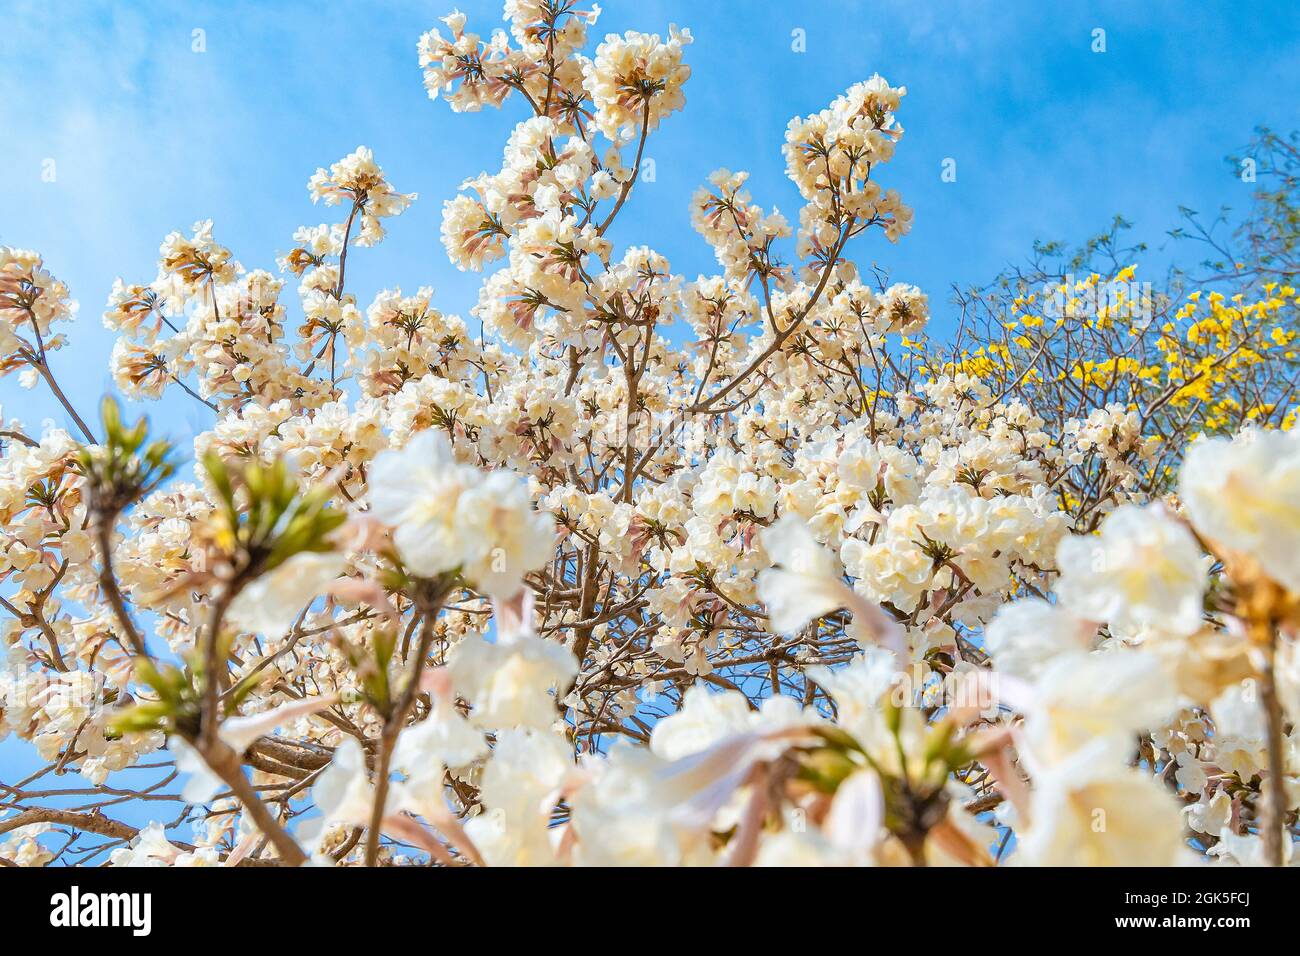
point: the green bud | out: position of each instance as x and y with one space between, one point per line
826 768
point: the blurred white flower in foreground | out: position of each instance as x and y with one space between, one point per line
1244 495
1024 637
271 603
1092 811
1144 569
808 583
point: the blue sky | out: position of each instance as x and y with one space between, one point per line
1050 138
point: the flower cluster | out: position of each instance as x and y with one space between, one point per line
31 301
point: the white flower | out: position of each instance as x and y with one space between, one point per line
1247 849
271 603
1210 815
443 739
342 794
797 848
622 814
857 691
1094 811
497 511
856 822
635 69
1237 712
519 786
150 847
707 717
526 766
503 842
238 733
447 515
416 490
1025 636
202 784
423 753
508 682
1105 698
1244 494
703 719
807 585
1144 569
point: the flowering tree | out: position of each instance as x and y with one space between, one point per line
742 569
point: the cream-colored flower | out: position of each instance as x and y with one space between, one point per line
443 739
1096 699
446 515
807 584
271 603
1143 569
343 794
509 682
1094 811
703 719
636 75
1025 636
149 847
1244 494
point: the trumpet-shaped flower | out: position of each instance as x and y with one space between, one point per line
1244 494
1143 570
447 515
